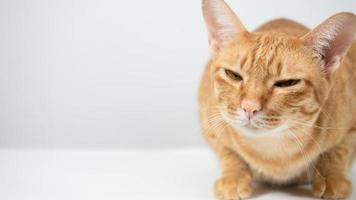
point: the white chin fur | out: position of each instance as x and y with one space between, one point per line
254 132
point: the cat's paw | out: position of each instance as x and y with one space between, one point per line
233 187
331 187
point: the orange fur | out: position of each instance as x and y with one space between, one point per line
304 133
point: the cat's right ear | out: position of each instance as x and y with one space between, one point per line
222 23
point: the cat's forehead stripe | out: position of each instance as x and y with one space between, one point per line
263 59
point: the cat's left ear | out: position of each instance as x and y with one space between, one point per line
331 40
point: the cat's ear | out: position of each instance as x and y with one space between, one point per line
331 40
222 23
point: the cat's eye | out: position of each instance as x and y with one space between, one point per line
287 83
233 75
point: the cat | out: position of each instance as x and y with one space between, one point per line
278 105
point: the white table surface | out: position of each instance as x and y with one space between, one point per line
176 174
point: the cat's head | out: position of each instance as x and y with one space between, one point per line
267 82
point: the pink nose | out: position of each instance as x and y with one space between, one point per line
250 113
250 108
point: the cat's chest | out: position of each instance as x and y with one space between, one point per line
274 144
279 158
273 148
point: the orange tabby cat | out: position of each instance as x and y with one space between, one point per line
279 105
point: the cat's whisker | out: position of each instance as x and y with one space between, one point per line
304 132
211 121
311 125
305 156
213 128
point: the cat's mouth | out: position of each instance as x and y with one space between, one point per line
255 126
251 126
251 129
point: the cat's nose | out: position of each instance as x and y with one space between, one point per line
250 108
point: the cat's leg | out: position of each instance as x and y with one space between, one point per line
236 179
330 177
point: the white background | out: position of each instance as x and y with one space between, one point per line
109 73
